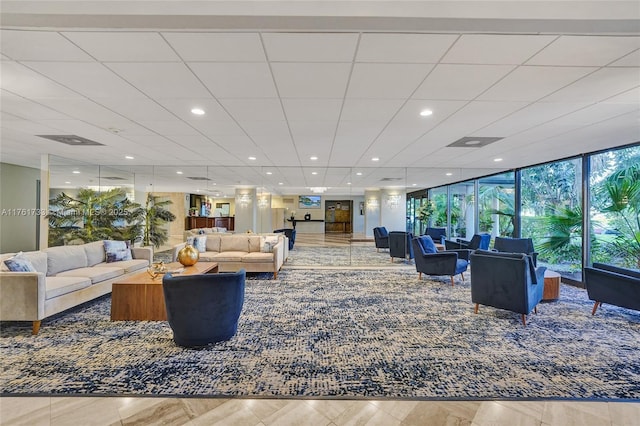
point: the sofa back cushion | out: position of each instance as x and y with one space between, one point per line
236 243
255 243
617 269
94 252
213 243
38 259
64 258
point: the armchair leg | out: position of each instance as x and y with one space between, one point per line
475 311
535 310
35 327
451 280
595 307
524 320
462 275
419 275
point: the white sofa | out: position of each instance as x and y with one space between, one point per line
200 231
66 277
233 252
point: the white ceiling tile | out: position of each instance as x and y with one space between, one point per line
405 48
600 85
370 109
136 109
169 127
161 80
308 133
631 60
630 96
311 80
236 80
27 109
20 80
410 112
307 47
39 46
263 109
181 108
124 46
390 81
460 82
530 83
495 49
223 47
352 140
585 50
597 113
319 109
91 79
90 112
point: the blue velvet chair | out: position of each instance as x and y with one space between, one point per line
516 245
291 235
613 285
433 262
400 245
438 235
381 237
204 308
506 281
478 241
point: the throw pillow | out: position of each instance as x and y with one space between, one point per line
200 243
190 241
427 244
267 243
117 251
19 263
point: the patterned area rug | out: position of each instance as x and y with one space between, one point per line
324 333
354 255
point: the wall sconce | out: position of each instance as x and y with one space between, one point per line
263 203
243 199
393 201
373 203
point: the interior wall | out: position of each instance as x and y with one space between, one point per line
18 207
175 228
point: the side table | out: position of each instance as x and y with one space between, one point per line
551 286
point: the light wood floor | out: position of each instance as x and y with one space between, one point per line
59 411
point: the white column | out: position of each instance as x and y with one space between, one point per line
372 216
246 210
43 238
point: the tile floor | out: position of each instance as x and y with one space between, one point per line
112 411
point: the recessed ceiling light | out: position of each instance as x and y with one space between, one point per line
359 174
313 158
497 159
375 159
76 172
348 183
280 183
314 173
67 182
179 172
426 112
252 158
128 157
269 173
197 111
449 174
197 190
414 184
473 142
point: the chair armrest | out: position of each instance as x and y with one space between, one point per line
462 253
175 250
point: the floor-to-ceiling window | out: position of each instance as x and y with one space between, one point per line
496 201
551 213
440 202
615 207
462 210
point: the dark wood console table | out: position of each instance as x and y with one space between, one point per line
193 222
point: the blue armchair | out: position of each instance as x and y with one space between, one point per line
614 285
381 237
400 245
506 281
433 262
478 241
290 233
205 308
516 245
438 235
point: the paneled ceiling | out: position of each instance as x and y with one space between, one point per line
286 81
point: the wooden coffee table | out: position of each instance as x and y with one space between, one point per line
140 297
551 285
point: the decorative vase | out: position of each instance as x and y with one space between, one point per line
188 256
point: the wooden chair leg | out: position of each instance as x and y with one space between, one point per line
595 307
462 275
475 311
419 275
535 310
524 320
35 327
451 280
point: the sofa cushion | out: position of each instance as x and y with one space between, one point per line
19 263
235 243
65 258
38 259
126 265
255 243
208 256
57 286
229 256
116 251
213 243
94 273
200 243
258 257
95 253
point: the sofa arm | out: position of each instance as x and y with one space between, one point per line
22 296
175 250
143 253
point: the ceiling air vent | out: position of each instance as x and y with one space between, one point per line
111 178
197 178
72 140
473 142
391 179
